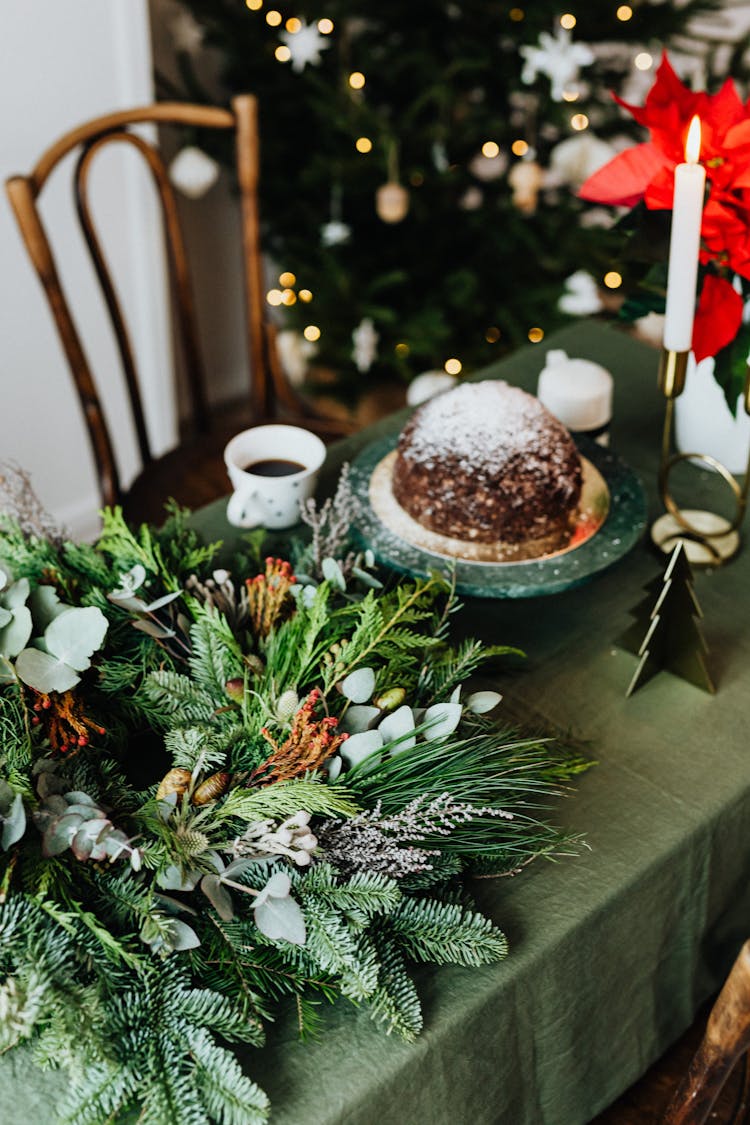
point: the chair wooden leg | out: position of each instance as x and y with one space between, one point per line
727 1036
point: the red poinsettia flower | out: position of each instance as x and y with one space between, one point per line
717 318
646 172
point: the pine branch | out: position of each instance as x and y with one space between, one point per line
228 1095
445 933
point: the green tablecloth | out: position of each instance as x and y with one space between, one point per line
612 950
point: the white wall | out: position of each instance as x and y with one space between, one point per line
62 62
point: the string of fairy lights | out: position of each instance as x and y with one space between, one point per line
287 293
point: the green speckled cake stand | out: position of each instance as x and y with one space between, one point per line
622 528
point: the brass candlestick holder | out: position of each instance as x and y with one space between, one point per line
709 539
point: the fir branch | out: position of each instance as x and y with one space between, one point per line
284 799
227 1094
395 1002
445 933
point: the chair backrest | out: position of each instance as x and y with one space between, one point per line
90 139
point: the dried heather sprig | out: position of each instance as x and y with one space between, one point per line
389 844
330 525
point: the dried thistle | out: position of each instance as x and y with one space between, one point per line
330 526
268 598
19 501
311 742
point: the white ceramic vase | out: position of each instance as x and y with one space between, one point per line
704 423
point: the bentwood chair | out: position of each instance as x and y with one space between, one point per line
725 1042
193 473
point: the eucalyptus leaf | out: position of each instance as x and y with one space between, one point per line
162 601
16 595
480 702
182 936
14 823
367 579
360 746
75 635
218 896
278 886
334 768
359 718
43 672
15 635
153 629
398 727
333 573
359 685
281 920
45 606
443 718
5 616
57 838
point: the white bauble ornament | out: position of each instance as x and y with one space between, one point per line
365 340
334 232
581 296
193 172
295 353
472 199
488 168
525 178
392 202
427 385
576 158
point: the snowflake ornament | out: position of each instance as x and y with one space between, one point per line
557 57
305 45
365 340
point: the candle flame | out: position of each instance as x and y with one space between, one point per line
693 142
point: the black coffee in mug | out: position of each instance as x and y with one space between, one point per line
274 467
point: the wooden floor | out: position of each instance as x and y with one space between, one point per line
646 1102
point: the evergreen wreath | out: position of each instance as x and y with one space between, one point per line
222 788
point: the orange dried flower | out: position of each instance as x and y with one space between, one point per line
268 596
311 742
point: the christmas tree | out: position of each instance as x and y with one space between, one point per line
420 161
666 633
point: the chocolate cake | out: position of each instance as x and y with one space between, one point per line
487 462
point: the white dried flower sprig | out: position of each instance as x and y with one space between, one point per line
19 501
292 839
389 844
330 525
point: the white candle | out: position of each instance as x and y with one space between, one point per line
684 244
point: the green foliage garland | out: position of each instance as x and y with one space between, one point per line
258 788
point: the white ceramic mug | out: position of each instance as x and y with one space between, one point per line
271 501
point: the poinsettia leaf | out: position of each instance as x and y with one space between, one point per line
281 920
43 672
730 367
14 823
75 635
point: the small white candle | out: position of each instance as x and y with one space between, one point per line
684 244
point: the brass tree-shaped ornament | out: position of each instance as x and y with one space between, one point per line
666 633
